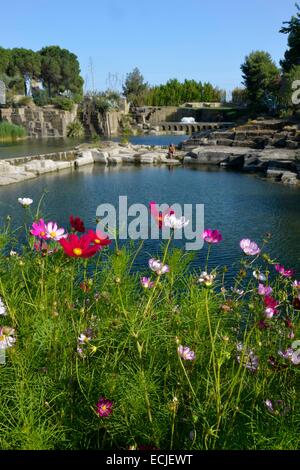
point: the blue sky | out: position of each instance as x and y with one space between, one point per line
200 39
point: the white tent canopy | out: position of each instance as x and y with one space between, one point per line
188 120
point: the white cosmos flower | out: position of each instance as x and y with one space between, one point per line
260 276
174 223
13 253
2 308
25 201
55 233
158 267
206 279
7 339
82 339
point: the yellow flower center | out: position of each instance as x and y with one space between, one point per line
52 234
43 234
97 240
2 337
77 251
104 407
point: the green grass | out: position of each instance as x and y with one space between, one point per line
49 392
11 132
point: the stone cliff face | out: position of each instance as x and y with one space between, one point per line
95 122
40 122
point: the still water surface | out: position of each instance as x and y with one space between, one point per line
239 205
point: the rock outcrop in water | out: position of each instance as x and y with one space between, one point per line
19 169
266 147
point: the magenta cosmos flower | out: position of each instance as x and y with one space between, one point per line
104 407
186 353
249 248
212 236
284 272
39 230
147 283
55 233
271 306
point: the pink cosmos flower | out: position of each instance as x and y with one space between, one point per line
296 284
158 267
147 283
55 233
249 248
264 290
39 229
157 215
284 272
104 407
212 236
186 353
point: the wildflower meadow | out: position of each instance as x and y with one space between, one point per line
95 355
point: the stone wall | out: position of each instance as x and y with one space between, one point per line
40 122
155 115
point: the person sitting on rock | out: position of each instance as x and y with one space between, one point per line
171 151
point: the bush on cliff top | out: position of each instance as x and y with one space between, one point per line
62 102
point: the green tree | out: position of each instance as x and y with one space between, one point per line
239 96
292 55
134 87
27 63
261 78
4 60
60 71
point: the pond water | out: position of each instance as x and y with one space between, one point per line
239 205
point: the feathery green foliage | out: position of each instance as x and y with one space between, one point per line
49 390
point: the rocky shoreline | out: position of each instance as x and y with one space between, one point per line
14 170
270 147
278 164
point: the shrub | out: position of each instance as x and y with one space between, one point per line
75 129
61 102
41 98
10 131
25 101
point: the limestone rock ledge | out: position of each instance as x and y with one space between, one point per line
279 164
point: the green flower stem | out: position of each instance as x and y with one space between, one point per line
158 278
